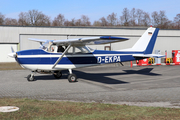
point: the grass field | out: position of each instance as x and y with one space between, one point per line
48 110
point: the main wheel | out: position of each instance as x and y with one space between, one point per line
72 78
57 74
30 78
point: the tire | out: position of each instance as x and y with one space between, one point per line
57 74
29 78
72 78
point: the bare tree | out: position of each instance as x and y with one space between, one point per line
146 20
44 20
139 15
112 19
10 21
177 21
73 22
103 21
125 17
85 20
2 19
155 18
128 18
160 19
66 22
133 17
23 21
36 18
59 20
78 22
163 19
97 23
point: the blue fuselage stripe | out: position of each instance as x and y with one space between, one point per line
77 60
97 57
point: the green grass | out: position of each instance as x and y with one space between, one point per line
48 110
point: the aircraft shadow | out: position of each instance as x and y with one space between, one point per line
104 77
145 71
100 77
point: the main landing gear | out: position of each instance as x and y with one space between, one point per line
57 74
72 77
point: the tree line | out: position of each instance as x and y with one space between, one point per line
133 17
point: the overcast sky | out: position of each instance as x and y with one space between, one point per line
94 9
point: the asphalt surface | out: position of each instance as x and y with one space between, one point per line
142 86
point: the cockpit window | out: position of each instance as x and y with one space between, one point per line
79 49
72 50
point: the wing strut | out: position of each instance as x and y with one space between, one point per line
61 56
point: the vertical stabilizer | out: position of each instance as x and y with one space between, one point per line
147 41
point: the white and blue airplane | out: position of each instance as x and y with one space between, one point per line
49 59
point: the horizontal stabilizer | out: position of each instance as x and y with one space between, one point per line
149 55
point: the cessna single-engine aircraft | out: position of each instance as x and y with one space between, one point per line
53 58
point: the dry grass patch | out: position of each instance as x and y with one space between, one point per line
10 66
37 109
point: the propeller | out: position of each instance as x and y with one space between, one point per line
13 54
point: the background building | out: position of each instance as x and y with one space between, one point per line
17 37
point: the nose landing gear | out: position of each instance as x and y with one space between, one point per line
30 77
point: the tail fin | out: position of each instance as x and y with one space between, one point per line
147 41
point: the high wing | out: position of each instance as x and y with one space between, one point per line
84 41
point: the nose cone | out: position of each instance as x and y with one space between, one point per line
13 55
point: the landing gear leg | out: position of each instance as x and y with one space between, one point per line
72 77
57 74
30 77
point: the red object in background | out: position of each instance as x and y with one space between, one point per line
176 57
142 62
131 64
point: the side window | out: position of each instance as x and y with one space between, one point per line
52 48
79 50
60 48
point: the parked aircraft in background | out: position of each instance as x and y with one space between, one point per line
75 54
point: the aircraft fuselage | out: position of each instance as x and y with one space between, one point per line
38 59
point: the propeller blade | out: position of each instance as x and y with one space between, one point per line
13 55
12 49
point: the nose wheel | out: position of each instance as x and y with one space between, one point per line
30 78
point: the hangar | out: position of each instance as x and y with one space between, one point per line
17 37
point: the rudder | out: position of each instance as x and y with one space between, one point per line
151 44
